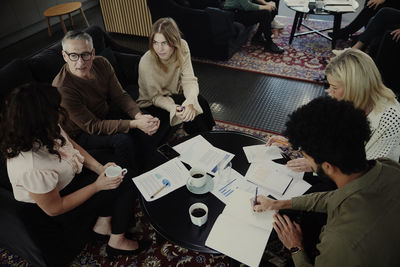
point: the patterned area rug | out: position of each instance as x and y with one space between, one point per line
304 60
162 253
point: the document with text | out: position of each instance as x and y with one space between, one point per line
162 180
199 153
239 232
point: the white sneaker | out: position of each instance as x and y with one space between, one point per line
277 25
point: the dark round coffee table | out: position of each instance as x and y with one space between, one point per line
169 215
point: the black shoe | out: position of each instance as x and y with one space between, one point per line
273 48
258 40
143 245
100 237
340 35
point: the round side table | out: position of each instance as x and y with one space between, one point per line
63 9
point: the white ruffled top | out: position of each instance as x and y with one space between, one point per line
40 172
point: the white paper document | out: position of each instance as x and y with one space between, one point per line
162 180
262 153
270 176
338 2
239 232
294 3
198 152
340 8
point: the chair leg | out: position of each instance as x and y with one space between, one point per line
63 25
84 17
70 20
48 26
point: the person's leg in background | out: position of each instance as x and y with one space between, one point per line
363 18
275 24
263 17
386 19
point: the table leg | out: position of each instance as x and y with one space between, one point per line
300 21
48 26
84 17
70 20
336 27
63 25
294 26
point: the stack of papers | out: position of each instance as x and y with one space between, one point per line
239 232
262 153
198 152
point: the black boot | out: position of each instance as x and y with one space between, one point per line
271 47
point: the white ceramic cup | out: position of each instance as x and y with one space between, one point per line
113 171
197 181
198 213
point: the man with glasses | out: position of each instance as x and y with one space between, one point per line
89 87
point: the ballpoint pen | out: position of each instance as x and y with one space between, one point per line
255 198
159 190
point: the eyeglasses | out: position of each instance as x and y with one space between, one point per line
86 56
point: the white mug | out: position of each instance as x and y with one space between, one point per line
198 213
197 181
113 171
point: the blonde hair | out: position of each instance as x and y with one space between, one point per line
361 80
169 29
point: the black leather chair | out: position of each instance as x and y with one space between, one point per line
209 30
43 67
387 61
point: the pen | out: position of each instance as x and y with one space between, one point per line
282 142
159 190
255 198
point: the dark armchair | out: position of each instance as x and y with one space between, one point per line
209 30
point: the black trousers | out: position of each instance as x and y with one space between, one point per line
386 19
263 17
62 237
366 14
132 150
201 123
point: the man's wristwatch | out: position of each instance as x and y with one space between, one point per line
294 250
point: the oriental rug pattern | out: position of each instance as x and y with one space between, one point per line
305 59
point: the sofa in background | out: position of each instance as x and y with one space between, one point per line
43 67
209 30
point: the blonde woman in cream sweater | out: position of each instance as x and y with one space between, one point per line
167 85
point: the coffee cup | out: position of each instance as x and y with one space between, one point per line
114 171
198 213
197 177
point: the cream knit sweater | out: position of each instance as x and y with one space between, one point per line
156 86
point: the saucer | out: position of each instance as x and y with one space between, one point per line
207 187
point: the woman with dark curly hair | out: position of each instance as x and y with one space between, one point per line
60 202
